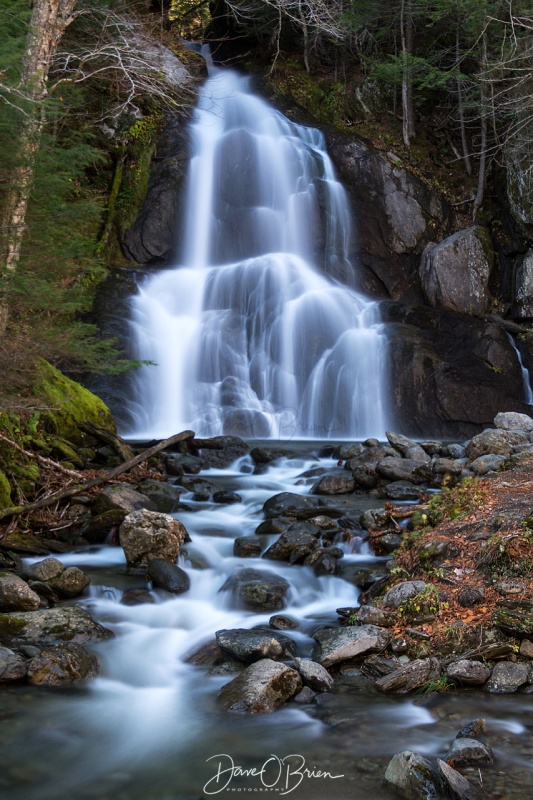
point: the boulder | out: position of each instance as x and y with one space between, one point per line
227 498
334 484
166 575
401 490
16 595
52 625
280 622
518 624
407 448
12 666
183 463
63 663
257 590
164 496
44 570
468 673
365 477
494 442
459 788
221 451
466 752
512 421
289 542
397 595
470 596
249 546
403 469
484 464
413 777
411 677
266 455
334 645
97 529
261 688
145 535
455 273
289 504
526 648
314 675
370 615
70 582
254 645
375 519
122 497
507 677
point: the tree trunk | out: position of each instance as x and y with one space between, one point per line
48 22
484 111
406 33
464 141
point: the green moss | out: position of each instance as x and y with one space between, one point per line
5 492
30 472
10 626
65 451
68 403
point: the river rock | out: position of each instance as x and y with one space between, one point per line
12 666
261 688
179 464
407 448
123 498
165 496
44 570
253 645
401 490
513 421
288 543
470 596
526 648
370 615
145 535
365 477
63 663
249 546
375 519
411 677
348 450
221 451
465 751
166 575
289 504
370 457
334 484
413 777
494 442
266 455
397 595
341 644
403 469
226 497
455 273
458 786
257 590
518 624
485 464
280 622
52 625
16 595
70 582
314 675
468 673
507 677
98 528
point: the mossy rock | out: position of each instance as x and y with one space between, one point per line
65 451
5 492
67 404
29 472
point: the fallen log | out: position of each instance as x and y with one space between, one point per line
71 491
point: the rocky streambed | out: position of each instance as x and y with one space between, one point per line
282 607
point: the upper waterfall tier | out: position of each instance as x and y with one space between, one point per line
250 334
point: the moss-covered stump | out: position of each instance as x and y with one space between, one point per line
67 404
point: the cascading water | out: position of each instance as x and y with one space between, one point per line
250 335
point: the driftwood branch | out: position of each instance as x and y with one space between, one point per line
71 491
47 462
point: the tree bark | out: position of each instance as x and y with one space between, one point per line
406 33
48 22
484 129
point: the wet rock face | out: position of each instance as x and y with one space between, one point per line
65 663
261 688
52 625
253 645
257 590
408 678
413 777
168 576
145 535
12 666
452 373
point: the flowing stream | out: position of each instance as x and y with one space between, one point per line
149 727
249 334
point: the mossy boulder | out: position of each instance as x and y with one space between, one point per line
67 404
5 492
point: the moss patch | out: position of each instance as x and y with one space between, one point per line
67 404
5 492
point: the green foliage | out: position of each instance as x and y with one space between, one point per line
509 554
443 684
425 602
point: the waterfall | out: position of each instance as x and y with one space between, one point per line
249 334
526 378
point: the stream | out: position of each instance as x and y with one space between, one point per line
149 728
